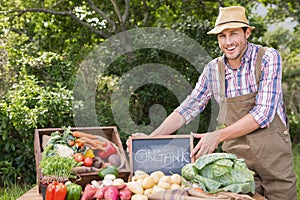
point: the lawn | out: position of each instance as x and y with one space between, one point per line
12 192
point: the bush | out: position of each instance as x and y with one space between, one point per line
28 105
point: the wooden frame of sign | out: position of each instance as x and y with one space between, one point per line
166 153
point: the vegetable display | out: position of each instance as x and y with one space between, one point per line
220 172
68 156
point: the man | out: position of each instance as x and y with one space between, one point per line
246 82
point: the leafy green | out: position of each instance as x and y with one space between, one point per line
58 166
62 138
220 172
59 139
190 173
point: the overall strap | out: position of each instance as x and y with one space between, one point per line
260 54
221 69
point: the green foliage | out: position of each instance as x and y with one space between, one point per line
291 78
27 106
280 10
286 42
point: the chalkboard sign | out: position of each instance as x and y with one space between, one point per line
167 153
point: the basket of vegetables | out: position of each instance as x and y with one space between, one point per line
77 154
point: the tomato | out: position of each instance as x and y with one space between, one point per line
78 157
88 161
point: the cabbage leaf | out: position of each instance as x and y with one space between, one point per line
218 172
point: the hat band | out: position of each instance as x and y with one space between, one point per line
232 22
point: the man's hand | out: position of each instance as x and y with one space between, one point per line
207 144
135 135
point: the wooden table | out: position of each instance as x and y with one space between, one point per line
33 194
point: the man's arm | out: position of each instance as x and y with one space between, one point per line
210 141
171 124
242 127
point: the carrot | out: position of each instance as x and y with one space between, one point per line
92 140
71 142
94 144
79 144
200 190
79 141
79 134
88 143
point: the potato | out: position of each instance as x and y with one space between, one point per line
135 187
166 179
139 197
148 182
133 178
164 185
140 181
158 173
140 174
175 186
157 188
118 182
155 177
176 179
148 191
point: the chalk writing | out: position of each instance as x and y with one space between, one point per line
167 155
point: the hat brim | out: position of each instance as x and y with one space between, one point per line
218 29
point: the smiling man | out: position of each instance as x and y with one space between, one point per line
246 83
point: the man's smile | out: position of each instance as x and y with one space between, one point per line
231 48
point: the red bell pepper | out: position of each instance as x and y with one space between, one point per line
56 191
109 150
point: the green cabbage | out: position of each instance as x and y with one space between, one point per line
220 172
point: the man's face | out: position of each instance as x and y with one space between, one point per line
233 42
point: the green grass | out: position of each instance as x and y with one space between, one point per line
12 192
296 151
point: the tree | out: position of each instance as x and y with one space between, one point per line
280 10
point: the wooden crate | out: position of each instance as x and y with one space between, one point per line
108 132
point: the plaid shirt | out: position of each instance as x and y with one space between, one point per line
238 82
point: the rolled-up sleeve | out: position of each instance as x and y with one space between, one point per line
269 91
196 102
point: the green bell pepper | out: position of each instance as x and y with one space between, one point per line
73 191
111 169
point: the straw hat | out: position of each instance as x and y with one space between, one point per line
230 17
